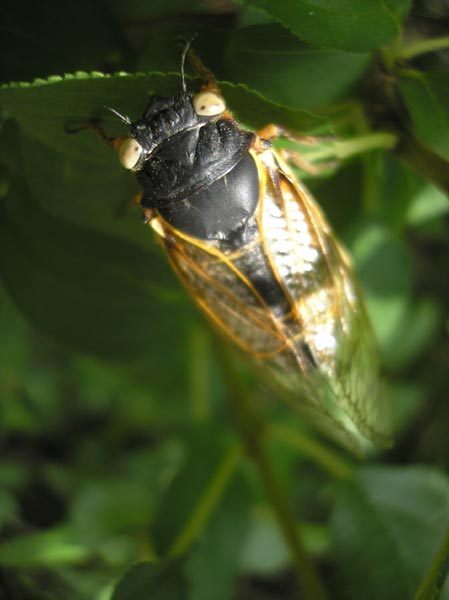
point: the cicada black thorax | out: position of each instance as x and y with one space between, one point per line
202 179
198 174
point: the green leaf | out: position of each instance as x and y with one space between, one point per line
152 581
192 497
432 584
341 24
406 198
384 265
51 547
426 96
292 72
45 107
415 332
213 563
387 526
93 291
8 506
265 550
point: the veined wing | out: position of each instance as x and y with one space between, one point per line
316 274
226 296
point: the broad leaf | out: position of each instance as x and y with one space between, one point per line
342 24
292 73
152 581
387 526
426 96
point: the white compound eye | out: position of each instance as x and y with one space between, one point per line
208 104
129 153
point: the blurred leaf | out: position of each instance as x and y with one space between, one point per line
414 333
52 547
292 72
152 581
107 507
93 291
194 492
384 266
407 398
426 97
387 525
214 561
8 506
432 585
344 24
265 550
406 198
428 204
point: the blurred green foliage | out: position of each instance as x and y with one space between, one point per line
117 444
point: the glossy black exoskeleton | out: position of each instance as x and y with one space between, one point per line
195 169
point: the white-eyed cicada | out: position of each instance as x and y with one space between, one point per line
256 253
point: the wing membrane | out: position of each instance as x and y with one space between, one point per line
317 348
318 277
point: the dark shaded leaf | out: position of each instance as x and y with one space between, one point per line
207 451
387 526
384 265
426 96
292 73
93 291
345 25
152 581
213 563
44 108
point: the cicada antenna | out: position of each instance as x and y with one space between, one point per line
183 61
118 114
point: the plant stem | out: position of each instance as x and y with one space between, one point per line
343 149
328 460
432 584
425 162
208 501
423 46
252 429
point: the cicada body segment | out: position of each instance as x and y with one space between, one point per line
256 253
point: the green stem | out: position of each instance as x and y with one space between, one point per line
343 149
252 429
423 47
432 584
425 162
324 457
208 501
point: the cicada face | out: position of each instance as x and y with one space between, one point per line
254 250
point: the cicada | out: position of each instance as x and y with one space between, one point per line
256 253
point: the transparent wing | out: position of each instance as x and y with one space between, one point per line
319 353
330 317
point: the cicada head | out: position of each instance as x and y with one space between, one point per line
180 148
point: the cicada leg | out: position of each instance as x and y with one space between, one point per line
271 132
94 125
